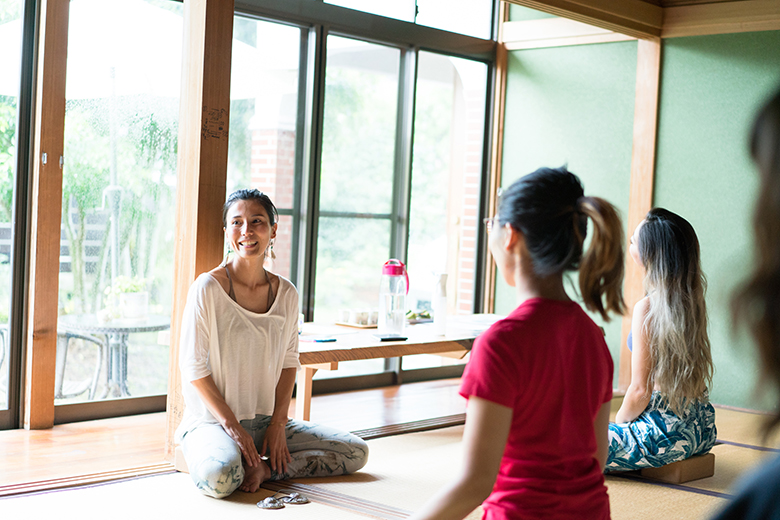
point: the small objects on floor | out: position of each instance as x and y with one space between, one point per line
270 503
287 497
294 498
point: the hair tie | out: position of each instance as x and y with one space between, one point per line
578 205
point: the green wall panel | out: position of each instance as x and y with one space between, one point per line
575 106
710 89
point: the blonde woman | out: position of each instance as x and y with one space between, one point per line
666 415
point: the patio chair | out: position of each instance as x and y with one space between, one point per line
63 390
3 343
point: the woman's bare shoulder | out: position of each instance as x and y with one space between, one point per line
642 306
219 275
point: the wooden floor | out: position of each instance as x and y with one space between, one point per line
107 449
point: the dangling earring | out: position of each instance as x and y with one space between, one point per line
227 255
270 250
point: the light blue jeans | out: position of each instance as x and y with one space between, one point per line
215 463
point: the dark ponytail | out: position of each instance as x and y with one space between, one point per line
549 207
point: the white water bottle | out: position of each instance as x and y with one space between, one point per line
439 305
393 288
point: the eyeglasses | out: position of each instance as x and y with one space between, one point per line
489 223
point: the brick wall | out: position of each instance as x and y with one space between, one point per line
273 172
472 170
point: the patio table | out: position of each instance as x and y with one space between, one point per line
116 333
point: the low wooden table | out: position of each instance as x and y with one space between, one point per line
354 344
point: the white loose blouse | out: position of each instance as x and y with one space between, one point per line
243 351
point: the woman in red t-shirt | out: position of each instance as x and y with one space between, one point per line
539 382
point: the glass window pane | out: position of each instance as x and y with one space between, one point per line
430 361
263 115
10 42
446 174
398 9
119 181
350 254
469 17
353 368
358 148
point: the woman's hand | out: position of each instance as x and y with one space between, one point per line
275 447
245 443
208 392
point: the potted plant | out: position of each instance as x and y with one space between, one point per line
127 298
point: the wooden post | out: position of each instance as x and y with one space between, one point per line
648 73
46 214
303 396
202 167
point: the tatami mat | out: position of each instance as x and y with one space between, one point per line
402 473
163 496
744 427
642 500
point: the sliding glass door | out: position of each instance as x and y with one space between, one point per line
10 67
119 184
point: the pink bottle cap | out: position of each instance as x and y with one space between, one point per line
395 267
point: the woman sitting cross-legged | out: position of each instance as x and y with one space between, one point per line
539 382
239 356
666 415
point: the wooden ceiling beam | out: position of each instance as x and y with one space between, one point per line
721 18
631 17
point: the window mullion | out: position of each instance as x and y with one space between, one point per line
311 166
402 181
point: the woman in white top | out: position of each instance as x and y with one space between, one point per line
238 358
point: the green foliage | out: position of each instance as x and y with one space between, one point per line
245 30
169 5
358 151
432 161
10 10
7 155
144 147
125 284
240 142
350 254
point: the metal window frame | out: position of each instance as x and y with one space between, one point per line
319 20
315 20
20 248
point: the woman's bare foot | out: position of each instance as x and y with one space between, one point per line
254 476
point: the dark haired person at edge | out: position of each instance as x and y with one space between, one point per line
239 357
539 382
666 415
757 305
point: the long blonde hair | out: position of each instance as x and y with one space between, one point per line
676 322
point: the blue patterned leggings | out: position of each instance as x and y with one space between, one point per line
215 463
659 437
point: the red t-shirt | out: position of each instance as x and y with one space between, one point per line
548 362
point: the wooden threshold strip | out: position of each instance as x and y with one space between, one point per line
340 500
81 480
411 427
